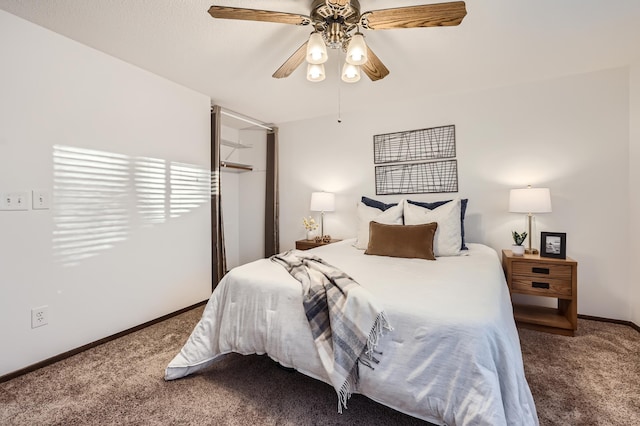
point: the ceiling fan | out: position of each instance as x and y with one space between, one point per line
337 24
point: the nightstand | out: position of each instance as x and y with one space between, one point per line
548 277
309 244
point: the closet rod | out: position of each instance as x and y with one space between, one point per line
246 120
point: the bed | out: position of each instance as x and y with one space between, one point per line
453 357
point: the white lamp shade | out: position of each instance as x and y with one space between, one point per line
350 73
316 49
323 202
315 72
357 50
530 200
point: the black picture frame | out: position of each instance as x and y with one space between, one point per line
553 244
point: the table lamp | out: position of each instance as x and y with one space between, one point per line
530 200
322 202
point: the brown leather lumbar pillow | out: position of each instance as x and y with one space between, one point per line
411 241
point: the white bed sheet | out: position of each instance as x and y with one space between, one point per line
454 354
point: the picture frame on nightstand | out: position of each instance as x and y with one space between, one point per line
553 244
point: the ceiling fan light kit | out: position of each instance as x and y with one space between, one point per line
336 25
317 54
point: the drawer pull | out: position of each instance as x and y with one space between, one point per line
535 284
540 270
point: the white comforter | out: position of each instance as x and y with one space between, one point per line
454 354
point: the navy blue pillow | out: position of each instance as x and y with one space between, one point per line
377 204
433 205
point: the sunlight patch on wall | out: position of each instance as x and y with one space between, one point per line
190 188
90 207
99 197
151 189
215 183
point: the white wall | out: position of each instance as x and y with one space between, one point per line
634 190
68 112
569 134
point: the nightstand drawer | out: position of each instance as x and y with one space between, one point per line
542 270
541 286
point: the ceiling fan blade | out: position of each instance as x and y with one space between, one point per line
374 68
426 15
224 12
292 63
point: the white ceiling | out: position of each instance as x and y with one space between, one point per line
500 42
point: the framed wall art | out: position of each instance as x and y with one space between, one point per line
415 145
417 178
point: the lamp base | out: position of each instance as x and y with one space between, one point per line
531 251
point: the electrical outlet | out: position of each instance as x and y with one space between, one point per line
39 316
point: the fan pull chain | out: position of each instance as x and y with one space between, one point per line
339 112
339 100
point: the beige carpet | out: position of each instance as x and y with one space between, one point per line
591 379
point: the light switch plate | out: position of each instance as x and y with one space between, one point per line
15 200
40 199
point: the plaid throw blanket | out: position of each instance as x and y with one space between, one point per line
345 321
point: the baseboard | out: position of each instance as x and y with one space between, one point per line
614 321
83 348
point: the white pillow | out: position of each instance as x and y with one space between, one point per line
366 214
448 238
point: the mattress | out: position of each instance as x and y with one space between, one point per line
453 357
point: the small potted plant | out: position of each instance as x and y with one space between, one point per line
518 249
310 225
